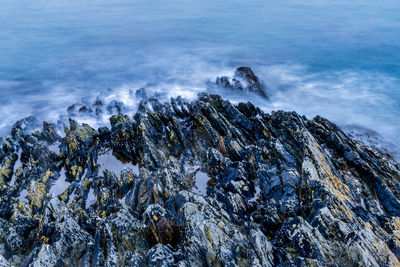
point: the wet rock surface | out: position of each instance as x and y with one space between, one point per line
243 79
202 183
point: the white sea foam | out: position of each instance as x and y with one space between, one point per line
358 99
175 46
348 97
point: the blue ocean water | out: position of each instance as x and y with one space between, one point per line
339 59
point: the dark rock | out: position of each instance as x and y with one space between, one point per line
223 81
85 109
98 103
167 231
201 183
71 109
243 79
251 81
115 107
141 93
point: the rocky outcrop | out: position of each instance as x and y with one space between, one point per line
202 183
243 79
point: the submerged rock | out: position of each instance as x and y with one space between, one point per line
202 183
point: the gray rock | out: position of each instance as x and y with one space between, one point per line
201 183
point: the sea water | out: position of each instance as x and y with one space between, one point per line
339 59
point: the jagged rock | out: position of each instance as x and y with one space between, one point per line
243 79
201 183
123 136
262 247
141 93
115 107
24 126
48 134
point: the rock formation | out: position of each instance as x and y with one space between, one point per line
244 79
201 183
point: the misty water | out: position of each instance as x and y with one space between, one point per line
339 59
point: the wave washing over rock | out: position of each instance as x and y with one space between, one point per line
200 183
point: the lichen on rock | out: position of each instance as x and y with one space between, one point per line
201 183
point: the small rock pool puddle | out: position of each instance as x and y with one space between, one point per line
108 161
60 184
23 195
256 195
201 180
55 147
91 198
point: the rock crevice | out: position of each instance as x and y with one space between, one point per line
197 184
